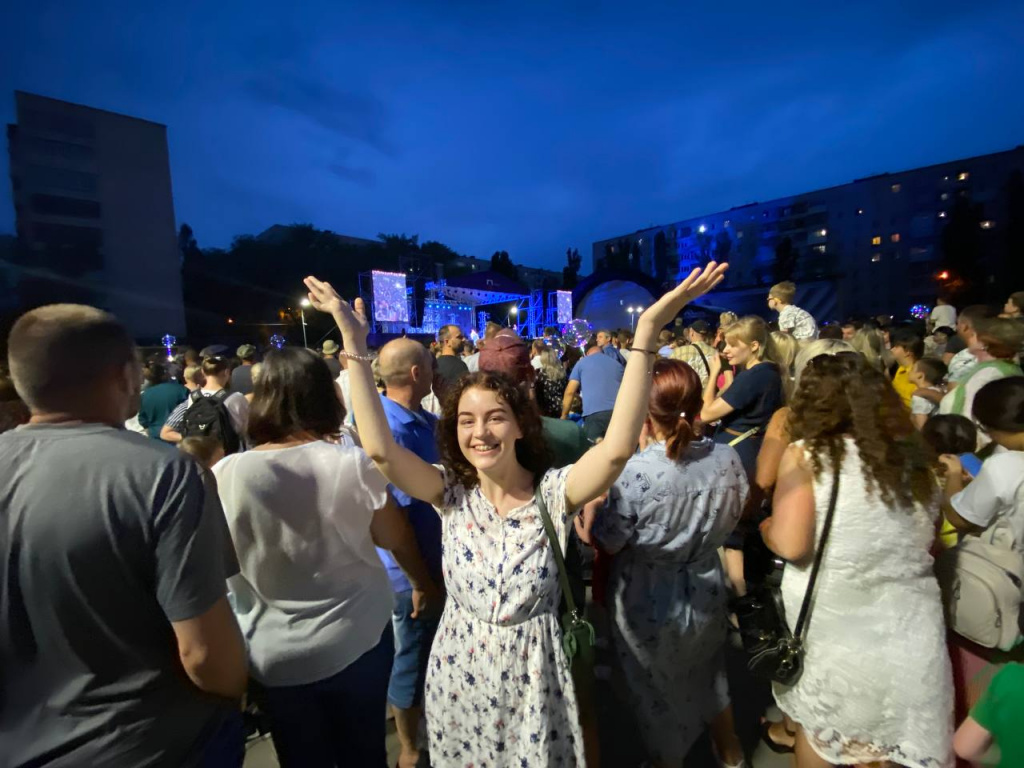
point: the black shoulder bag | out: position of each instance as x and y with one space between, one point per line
773 651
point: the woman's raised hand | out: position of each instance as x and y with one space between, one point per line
351 319
700 281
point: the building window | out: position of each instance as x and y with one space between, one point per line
876 257
896 187
987 224
822 232
727 223
944 196
819 248
942 214
895 237
963 176
63 179
860 211
876 240
55 205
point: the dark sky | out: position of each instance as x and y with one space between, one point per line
528 127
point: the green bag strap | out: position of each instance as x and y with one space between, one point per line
556 548
960 393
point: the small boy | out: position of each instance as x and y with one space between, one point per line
996 719
792 319
907 348
928 373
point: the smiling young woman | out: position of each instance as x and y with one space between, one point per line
499 688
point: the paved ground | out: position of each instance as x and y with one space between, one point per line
619 739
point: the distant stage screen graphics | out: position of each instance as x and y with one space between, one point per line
564 307
389 304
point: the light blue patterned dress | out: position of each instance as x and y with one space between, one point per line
665 521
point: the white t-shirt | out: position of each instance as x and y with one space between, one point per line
472 362
997 492
974 382
943 314
346 396
312 595
798 322
923 405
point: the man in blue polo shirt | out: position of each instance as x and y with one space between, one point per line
407 368
597 378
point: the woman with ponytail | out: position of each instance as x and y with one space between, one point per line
673 506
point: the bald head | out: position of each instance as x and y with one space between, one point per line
72 359
397 359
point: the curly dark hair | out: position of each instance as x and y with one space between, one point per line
842 395
531 450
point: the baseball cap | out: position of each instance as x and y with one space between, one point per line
331 347
246 351
506 353
700 326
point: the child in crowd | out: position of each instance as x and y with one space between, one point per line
927 373
792 319
996 719
956 436
907 348
206 450
939 339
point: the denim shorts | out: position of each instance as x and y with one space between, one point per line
413 638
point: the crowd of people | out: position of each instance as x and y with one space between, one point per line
307 539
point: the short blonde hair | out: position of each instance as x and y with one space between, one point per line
784 292
787 347
194 375
817 348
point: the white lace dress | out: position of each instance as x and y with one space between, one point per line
876 683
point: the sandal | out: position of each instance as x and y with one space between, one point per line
774 746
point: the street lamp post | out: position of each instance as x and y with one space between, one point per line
511 312
302 305
633 312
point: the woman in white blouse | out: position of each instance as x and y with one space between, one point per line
305 508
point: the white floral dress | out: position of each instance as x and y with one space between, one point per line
498 690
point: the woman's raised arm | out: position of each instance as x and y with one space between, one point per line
402 467
599 467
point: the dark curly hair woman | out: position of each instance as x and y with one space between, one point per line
498 688
876 684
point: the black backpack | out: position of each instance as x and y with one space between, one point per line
206 416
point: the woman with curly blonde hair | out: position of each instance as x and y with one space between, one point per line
876 684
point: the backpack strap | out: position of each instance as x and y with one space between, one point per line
195 396
1004 367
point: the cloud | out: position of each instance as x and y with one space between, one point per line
361 117
361 176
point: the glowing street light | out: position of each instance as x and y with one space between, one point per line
514 310
633 312
302 306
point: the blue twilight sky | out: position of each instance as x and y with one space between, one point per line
522 126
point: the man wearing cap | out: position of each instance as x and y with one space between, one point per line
508 354
698 353
241 377
330 352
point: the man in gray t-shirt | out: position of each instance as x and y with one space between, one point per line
117 646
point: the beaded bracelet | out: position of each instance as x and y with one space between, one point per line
360 358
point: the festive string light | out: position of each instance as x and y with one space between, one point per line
169 341
576 333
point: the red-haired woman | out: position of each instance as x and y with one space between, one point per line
499 691
668 513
